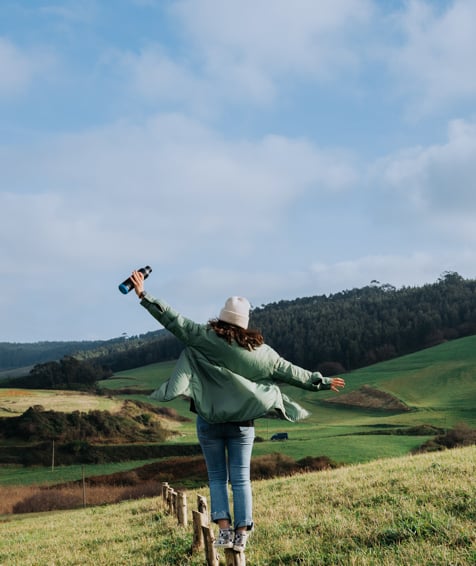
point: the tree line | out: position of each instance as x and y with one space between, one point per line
67 373
333 334
359 327
347 330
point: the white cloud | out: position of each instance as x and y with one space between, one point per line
240 50
19 67
430 190
438 179
193 190
274 35
112 191
156 76
435 64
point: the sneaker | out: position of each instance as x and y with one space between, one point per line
225 539
240 541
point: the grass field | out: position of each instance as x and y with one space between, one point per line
38 475
438 383
407 511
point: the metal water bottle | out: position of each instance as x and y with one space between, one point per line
127 285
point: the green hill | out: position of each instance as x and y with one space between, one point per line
346 330
408 511
437 387
437 383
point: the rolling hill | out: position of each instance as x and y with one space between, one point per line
437 384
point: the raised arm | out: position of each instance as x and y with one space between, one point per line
183 328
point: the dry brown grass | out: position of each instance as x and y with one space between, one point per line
14 402
34 499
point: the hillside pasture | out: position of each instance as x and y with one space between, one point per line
438 384
406 511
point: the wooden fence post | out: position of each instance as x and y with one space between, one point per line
202 506
173 502
200 519
171 493
234 558
210 551
197 543
182 511
165 486
203 538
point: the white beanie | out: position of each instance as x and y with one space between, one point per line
236 311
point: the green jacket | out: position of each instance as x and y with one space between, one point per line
229 383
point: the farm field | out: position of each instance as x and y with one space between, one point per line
407 511
438 384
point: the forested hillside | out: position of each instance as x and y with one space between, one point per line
334 333
350 329
360 327
19 354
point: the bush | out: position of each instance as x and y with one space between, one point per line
272 465
460 435
316 464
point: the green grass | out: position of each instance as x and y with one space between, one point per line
407 511
441 379
19 475
438 383
146 377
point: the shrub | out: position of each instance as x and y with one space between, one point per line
460 435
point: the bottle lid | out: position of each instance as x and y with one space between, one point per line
123 288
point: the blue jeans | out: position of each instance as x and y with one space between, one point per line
216 441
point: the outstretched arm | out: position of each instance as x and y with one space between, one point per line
287 372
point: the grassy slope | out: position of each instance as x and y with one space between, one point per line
410 511
440 383
438 378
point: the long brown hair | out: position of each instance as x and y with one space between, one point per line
246 338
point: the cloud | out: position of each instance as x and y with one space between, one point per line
434 63
156 76
20 67
212 216
436 181
239 51
169 179
273 35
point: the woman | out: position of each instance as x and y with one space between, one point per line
230 376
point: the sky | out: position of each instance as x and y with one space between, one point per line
264 148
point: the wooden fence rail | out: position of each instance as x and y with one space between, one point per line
203 538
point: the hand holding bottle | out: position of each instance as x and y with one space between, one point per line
129 284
